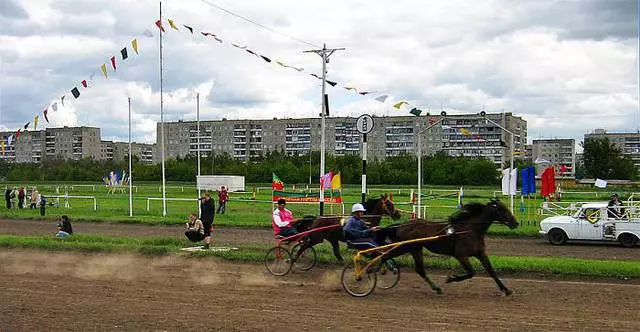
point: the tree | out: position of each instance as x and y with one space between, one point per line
603 160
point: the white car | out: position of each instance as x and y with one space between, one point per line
592 221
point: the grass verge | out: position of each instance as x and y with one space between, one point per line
255 253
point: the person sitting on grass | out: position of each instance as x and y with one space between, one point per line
64 228
195 229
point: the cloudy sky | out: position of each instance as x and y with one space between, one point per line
566 66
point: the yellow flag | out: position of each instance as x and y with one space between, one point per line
134 44
399 104
35 122
464 132
173 25
335 182
104 70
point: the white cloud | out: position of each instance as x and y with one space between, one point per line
566 68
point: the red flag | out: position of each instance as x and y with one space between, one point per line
548 182
45 115
563 169
159 25
276 183
113 63
84 83
18 133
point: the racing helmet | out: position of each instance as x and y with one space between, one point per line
357 208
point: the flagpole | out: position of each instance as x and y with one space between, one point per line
164 191
130 153
198 129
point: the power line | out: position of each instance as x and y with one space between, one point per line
258 24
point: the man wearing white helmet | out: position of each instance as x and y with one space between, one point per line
356 231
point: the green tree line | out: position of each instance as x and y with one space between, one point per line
438 169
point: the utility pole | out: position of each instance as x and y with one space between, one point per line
325 53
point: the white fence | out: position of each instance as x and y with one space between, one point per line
149 199
68 197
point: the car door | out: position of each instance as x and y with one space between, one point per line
591 224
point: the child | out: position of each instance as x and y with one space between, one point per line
64 228
195 229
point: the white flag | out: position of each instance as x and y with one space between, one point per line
509 185
541 161
600 183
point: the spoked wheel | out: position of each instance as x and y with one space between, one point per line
307 259
278 261
389 274
358 286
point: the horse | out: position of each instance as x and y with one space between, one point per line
462 237
375 209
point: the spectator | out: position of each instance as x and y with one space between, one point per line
43 205
207 214
34 198
223 197
7 197
64 228
21 197
195 229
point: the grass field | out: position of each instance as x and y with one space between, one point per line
255 253
245 210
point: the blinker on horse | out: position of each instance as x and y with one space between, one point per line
469 225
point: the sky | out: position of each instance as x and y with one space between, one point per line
567 67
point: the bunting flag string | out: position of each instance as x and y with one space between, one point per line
103 68
45 115
113 63
124 54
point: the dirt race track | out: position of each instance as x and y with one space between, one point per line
236 236
73 291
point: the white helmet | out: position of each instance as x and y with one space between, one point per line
357 207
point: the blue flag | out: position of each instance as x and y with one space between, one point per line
528 180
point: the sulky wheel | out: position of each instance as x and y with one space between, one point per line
278 261
307 259
358 286
388 274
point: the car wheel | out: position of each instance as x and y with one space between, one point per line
628 240
557 237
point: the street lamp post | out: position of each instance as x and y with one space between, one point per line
511 148
420 161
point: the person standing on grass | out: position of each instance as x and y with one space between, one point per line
223 197
207 213
43 205
34 198
21 197
64 228
7 197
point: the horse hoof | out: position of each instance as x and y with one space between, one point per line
450 279
508 292
438 291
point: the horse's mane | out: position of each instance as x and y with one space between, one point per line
467 211
371 202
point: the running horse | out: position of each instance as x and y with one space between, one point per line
375 209
462 237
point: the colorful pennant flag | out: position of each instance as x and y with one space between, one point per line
75 92
103 68
325 180
238 46
188 28
9 139
27 125
113 63
84 83
173 25
251 52
124 54
276 183
206 34
332 83
382 98
364 93
415 111
399 104
217 39
45 115
62 100
18 133
54 107
265 58
134 44
35 122
159 25
349 88
147 33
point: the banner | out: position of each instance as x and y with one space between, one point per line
295 197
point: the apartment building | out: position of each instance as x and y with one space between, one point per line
628 143
560 153
457 135
72 143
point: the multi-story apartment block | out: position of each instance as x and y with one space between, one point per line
69 143
457 135
628 143
560 153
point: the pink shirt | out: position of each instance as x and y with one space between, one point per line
281 219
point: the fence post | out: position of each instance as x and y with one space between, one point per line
95 205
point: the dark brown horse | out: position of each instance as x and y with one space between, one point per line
467 229
376 208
